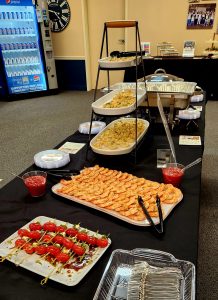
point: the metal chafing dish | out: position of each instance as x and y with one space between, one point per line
160 75
174 92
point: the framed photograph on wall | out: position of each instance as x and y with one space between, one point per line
201 16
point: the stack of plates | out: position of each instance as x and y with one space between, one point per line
51 159
189 114
97 126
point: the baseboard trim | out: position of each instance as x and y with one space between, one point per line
69 57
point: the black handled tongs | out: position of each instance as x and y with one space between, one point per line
63 174
60 176
125 54
141 203
72 171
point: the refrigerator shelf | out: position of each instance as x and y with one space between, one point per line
27 64
21 75
17 20
17 35
23 50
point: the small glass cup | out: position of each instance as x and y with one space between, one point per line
35 182
173 173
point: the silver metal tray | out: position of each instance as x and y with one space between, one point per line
125 85
181 87
117 274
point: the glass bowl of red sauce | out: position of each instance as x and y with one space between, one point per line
173 173
35 182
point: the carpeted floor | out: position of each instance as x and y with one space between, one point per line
33 125
24 133
208 232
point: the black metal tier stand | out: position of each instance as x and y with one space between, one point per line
118 24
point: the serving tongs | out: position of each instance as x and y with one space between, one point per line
63 174
73 171
125 54
160 214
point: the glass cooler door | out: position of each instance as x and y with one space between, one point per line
21 48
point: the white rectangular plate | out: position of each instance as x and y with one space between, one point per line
166 208
119 151
99 109
46 268
106 63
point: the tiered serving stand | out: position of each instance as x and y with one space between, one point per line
106 65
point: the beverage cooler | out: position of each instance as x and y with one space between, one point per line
27 65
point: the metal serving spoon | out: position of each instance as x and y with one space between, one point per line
195 162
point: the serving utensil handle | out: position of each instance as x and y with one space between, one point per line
120 24
141 203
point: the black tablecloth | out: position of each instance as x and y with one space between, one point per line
181 226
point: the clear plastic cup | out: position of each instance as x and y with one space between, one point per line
35 182
173 173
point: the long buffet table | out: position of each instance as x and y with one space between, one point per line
181 226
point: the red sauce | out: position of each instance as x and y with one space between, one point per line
172 175
35 185
78 264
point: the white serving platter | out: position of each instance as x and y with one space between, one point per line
106 63
119 151
98 108
166 208
45 268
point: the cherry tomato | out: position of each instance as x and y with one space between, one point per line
49 226
35 226
35 235
102 242
47 238
61 228
28 248
23 232
19 243
41 249
58 239
68 243
63 257
82 236
79 250
53 250
71 232
91 240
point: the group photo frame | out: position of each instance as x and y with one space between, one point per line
201 16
